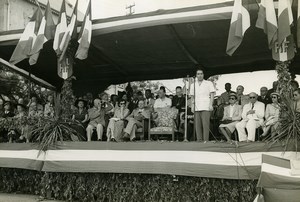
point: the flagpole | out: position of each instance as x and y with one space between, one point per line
185 109
194 128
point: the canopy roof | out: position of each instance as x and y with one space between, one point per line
163 44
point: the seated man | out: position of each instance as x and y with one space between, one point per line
96 115
162 101
135 120
232 115
253 117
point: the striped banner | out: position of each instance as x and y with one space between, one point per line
217 160
277 182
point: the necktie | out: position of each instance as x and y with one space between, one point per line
252 105
240 100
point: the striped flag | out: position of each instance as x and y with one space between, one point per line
217 160
61 28
276 182
45 33
70 33
240 22
85 35
27 40
285 20
267 21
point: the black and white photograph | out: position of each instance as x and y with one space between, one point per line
149 100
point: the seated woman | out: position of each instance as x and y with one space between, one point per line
19 134
135 120
271 116
80 115
232 115
116 123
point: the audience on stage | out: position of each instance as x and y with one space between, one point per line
296 97
271 116
232 115
162 101
225 96
118 118
253 117
135 120
116 123
241 98
97 119
263 96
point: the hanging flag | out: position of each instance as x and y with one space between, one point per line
298 25
70 33
267 20
240 22
45 33
85 35
24 46
285 20
284 48
61 28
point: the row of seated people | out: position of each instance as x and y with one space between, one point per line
255 114
123 123
32 109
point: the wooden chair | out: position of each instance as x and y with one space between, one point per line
165 123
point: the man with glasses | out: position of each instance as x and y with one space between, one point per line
202 92
253 117
232 115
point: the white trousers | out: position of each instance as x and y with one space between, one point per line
251 126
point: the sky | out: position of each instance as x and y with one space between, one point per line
252 81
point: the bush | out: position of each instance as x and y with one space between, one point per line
124 187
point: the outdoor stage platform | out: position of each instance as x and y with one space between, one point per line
215 160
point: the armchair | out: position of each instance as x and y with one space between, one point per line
165 123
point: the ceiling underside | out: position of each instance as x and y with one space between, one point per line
158 52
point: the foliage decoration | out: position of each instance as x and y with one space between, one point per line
289 121
92 187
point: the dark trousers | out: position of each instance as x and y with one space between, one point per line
202 121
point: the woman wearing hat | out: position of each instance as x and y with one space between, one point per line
116 123
271 115
81 115
232 115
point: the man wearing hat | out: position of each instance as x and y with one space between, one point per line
232 115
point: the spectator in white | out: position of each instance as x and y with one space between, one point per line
202 92
162 101
253 117
232 115
242 99
49 107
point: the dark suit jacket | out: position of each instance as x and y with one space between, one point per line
266 100
10 114
178 102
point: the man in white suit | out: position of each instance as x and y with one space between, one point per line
253 117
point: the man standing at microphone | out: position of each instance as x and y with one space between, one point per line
202 92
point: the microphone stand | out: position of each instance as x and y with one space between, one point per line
185 109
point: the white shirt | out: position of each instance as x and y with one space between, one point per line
231 108
202 91
159 103
259 109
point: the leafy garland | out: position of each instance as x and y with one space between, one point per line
90 187
288 129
